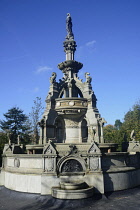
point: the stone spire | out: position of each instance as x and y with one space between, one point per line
70 67
69 43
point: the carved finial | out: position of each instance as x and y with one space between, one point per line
101 121
9 140
132 135
53 78
88 78
69 27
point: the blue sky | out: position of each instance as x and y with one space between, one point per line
107 33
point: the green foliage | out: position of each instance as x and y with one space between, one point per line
15 123
132 121
121 131
110 133
113 134
118 124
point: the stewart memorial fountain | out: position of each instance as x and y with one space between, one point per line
71 160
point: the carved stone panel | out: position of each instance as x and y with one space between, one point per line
71 123
16 162
72 165
49 164
94 163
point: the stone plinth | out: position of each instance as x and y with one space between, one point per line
71 110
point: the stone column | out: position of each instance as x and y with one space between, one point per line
18 140
41 135
69 55
72 131
69 48
96 136
44 136
80 133
102 138
70 87
101 123
65 95
70 92
42 125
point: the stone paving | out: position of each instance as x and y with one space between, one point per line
121 200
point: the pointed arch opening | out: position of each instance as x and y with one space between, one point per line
75 92
84 131
59 130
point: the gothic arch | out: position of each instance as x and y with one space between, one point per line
72 163
84 130
59 130
64 91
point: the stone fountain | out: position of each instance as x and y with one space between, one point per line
71 161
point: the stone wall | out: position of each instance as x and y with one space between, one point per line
28 173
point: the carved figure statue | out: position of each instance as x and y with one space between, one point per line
66 75
53 78
70 82
41 123
93 132
132 135
73 149
88 78
69 26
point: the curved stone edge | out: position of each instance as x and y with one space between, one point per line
33 183
72 194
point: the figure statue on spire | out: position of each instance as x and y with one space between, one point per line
69 27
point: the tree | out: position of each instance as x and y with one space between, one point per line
132 121
114 134
34 117
15 123
120 132
109 133
118 124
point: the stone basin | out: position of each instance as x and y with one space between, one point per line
73 185
70 64
71 106
72 190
